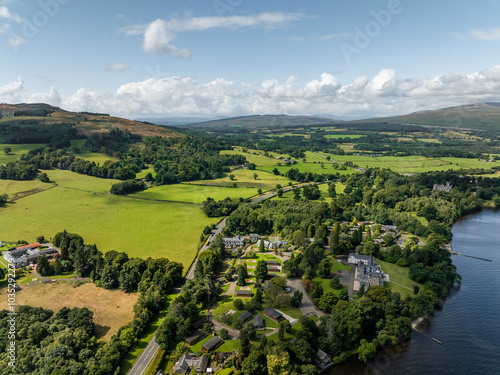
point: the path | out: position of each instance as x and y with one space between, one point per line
307 308
324 157
218 326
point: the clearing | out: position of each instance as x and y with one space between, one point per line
112 308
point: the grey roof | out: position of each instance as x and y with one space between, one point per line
322 356
244 292
190 360
245 316
213 343
258 321
273 313
272 262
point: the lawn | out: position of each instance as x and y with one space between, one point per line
112 308
17 151
139 227
228 346
244 179
328 167
256 156
399 280
336 266
192 193
338 136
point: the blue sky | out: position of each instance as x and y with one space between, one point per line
236 57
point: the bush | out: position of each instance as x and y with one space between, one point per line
238 304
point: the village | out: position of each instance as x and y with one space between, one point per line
245 301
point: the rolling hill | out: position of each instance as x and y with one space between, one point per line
482 116
85 123
268 121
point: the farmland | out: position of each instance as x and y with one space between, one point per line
139 227
112 308
17 151
192 193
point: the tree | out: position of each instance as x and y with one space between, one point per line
259 298
241 277
278 186
280 193
278 362
388 239
328 301
255 175
296 299
231 177
361 291
57 267
238 304
43 266
261 246
44 177
367 350
260 272
335 283
224 334
259 191
252 166
276 171
255 363
296 194
324 268
332 193
7 150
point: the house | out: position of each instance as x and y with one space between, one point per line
276 243
244 316
237 241
33 245
160 372
188 361
364 259
212 344
195 337
254 237
322 360
273 315
368 271
28 254
258 323
446 188
390 228
272 269
243 293
273 262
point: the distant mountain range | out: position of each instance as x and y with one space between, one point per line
470 116
275 121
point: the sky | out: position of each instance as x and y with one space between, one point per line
217 58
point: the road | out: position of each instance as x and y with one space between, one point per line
147 355
307 308
214 234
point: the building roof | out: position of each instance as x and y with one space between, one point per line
245 316
258 321
30 246
272 262
243 292
322 356
213 343
273 313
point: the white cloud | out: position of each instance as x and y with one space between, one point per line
386 93
5 13
492 34
118 67
11 91
159 34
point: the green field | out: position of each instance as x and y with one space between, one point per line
15 189
256 156
244 179
339 188
139 227
17 151
80 181
338 136
192 193
400 282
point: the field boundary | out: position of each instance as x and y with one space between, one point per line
33 193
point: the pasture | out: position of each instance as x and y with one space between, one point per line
80 181
112 308
141 228
244 179
340 136
192 193
399 280
17 151
17 189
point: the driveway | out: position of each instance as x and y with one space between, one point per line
307 308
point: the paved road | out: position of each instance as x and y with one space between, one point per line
147 355
307 308
214 234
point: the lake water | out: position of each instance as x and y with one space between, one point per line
469 324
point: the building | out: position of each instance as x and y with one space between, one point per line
390 228
368 271
273 315
212 344
244 316
243 293
272 262
322 360
28 255
276 243
237 241
189 361
254 237
258 323
438 187
195 337
272 269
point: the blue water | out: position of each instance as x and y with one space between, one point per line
468 325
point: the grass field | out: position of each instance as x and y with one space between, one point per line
338 136
256 156
193 193
399 280
80 181
112 308
17 151
244 179
17 189
139 227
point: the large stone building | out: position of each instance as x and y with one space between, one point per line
368 271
